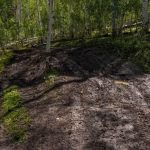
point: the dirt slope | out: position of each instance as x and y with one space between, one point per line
89 106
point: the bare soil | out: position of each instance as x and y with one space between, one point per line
90 106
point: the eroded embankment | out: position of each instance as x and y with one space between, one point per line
88 105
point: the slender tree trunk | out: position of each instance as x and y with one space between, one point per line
50 22
18 17
136 18
145 16
121 24
39 14
19 11
131 18
114 27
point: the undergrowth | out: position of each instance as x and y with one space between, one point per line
136 50
130 47
50 77
4 59
16 120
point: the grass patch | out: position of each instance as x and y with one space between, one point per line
11 100
17 119
17 123
50 77
4 59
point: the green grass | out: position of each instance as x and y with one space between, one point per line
16 123
11 100
17 119
4 59
50 77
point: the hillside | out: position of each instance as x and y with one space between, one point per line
77 98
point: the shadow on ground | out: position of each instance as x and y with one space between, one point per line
98 101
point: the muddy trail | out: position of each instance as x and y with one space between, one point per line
97 101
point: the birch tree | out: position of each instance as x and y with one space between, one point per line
39 14
19 11
19 16
145 15
114 27
50 22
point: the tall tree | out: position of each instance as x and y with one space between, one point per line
50 22
18 17
145 15
39 14
19 11
114 25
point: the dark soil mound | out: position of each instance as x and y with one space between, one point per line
90 106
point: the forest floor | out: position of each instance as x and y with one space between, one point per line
87 105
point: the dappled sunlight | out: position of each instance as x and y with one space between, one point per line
74 75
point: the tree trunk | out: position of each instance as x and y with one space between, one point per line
121 24
50 22
131 18
145 16
18 17
19 12
39 14
114 28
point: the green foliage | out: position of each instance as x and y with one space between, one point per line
136 49
72 19
11 100
4 59
50 77
142 58
17 119
17 123
13 87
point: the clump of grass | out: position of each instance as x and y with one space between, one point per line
4 59
11 99
16 120
17 123
50 77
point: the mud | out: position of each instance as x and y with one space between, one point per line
89 106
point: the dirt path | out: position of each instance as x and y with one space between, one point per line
85 109
78 125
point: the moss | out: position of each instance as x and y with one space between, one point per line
16 120
17 123
11 100
4 59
